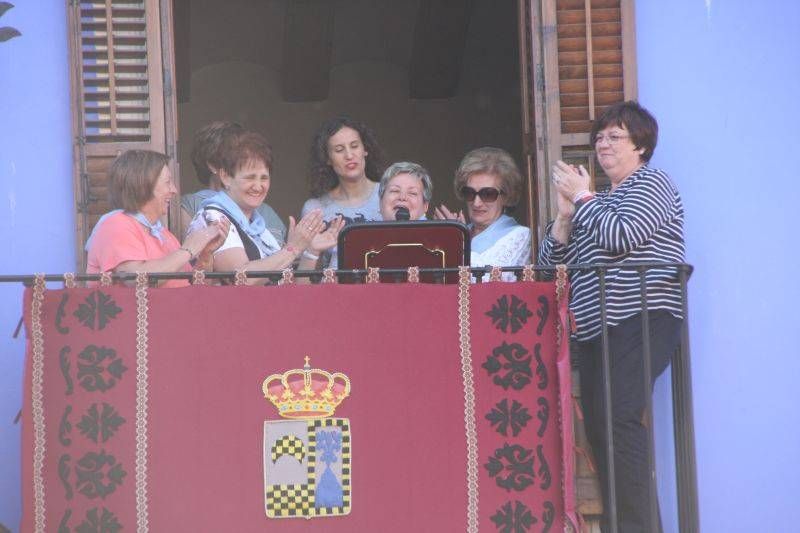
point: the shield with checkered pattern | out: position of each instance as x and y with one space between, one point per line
307 470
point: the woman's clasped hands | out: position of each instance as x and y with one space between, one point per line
570 182
202 242
311 233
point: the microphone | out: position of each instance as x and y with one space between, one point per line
402 213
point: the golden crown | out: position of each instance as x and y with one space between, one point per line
306 393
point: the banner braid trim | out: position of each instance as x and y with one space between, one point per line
141 402
37 401
470 423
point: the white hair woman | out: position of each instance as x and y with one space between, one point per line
406 187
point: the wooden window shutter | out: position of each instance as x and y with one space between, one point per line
119 102
581 59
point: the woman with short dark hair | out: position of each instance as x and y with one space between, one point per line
639 219
207 151
245 169
131 238
346 164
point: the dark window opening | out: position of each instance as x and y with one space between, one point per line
433 79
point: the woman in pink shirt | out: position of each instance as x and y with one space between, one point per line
131 238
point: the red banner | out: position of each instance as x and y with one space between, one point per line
145 411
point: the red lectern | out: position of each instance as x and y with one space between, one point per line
420 243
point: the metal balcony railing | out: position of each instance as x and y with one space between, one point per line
686 475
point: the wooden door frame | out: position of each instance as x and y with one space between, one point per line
543 140
162 115
167 32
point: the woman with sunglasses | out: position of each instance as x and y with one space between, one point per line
489 182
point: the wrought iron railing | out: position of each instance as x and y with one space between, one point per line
686 475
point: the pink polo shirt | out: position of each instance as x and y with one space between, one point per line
122 238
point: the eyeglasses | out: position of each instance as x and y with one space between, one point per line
610 139
486 194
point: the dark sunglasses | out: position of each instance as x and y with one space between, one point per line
487 194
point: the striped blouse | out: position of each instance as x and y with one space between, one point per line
641 220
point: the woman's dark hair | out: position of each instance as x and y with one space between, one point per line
322 178
237 151
207 146
641 125
132 178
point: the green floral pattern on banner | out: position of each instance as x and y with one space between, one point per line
98 474
99 368
100 425
63 475
97 310
518 469
99 521
63 361
65 428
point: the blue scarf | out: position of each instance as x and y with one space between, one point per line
155 229
255 227
496 230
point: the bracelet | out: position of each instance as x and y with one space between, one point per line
188 251
292 250
309 255
582 196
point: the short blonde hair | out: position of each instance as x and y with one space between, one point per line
132 178
494 161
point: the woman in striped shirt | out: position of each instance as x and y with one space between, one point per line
639 219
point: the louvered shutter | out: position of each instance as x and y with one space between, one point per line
118 94
582 60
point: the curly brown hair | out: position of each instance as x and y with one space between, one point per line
322 178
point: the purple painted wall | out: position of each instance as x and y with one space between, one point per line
723 79
36 219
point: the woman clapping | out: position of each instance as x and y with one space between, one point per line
639 219
489 182
246 175
131 238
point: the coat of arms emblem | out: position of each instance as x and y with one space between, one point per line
307 455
